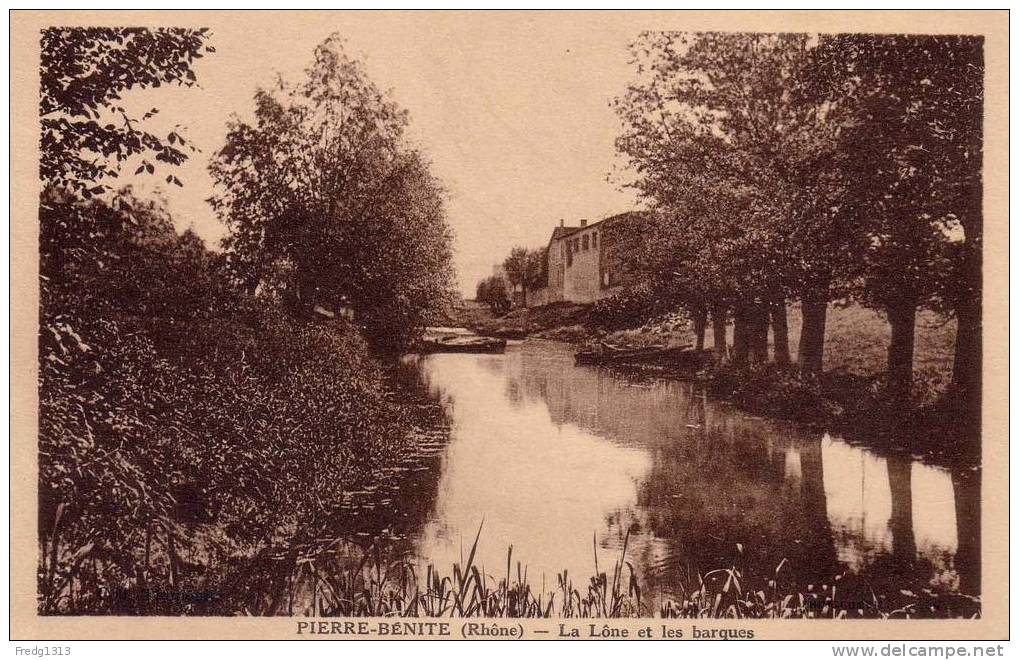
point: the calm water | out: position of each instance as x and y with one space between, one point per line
555 458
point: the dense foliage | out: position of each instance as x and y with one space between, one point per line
794 167
193 432
492 291
167 400
327 203
83 73
624 309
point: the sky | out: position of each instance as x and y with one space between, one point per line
513 111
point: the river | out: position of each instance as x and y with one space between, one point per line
565 463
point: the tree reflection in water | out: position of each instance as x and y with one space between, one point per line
548 454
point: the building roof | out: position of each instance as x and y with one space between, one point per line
561 231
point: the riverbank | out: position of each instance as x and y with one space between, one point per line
191 437
848 398
210 460
563 321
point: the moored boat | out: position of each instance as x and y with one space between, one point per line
605 353
462 344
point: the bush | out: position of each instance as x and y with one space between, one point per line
184 429
839 399
626 309
773 390
567 333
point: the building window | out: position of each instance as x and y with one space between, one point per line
584 241
594 240
606 278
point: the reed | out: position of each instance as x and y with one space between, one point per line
377 588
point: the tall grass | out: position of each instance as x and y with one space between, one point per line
376 587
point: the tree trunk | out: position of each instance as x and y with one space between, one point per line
902 318
966 367
900 484
718 331
700 324
966 488
780 332
740 338
171 550
968 362
758 333
751 334
811 349
305 288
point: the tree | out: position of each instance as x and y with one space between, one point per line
491 291
527 269
727 146
515 266
84 71
914 150
324 183
536 270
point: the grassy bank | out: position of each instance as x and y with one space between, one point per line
566 321
856 338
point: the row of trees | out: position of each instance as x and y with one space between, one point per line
812 168
526 269
325 200
494 292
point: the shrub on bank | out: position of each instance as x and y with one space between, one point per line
626 309
840 400
569 333
525 321
772 390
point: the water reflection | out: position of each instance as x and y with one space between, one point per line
539 485
552 456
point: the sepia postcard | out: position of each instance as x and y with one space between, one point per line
559 325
